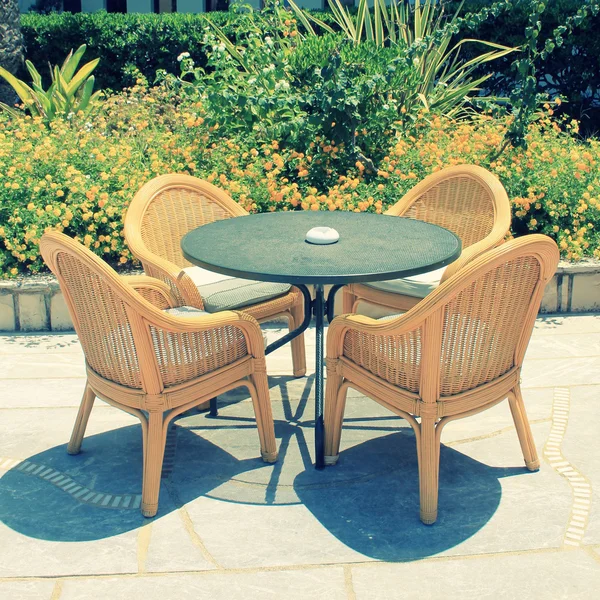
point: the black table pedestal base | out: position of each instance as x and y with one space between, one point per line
319 312
320 308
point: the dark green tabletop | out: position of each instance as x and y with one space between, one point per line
272 247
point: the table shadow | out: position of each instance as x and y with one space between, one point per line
373 511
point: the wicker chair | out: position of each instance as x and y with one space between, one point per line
456 353
465 199
168 207
146 360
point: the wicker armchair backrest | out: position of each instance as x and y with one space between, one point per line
168 207
483 325
471 330
99 315
461 203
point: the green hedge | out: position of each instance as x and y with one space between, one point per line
152 42
570 71
146 41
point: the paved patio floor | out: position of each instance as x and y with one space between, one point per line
231 527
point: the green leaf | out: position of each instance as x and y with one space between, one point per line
230 47
36 78
70 64
86 94
344 20
24 92
13 112
81 76
306 18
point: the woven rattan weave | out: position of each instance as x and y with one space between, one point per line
467 200
168 207
456 353
149 363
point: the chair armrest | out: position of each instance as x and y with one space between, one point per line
179 349
187 326
155 291
402 324
180 283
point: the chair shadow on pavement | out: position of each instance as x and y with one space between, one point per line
379 516
369 501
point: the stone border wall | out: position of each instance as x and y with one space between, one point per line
37 304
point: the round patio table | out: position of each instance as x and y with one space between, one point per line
272 247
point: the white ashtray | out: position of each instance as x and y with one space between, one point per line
322 235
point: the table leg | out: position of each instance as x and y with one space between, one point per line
319 309
214 411
288 337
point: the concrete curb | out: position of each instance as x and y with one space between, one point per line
37 304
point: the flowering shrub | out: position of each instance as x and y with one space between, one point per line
80 179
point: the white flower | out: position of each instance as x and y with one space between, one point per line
182 56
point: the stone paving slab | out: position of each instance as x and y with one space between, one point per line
41 393
552 372
26 590
535 576
581 448
43 366
563 345
548 325
24 554
171 544
232 526
30 344
47 431
291 585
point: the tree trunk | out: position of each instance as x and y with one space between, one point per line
11 46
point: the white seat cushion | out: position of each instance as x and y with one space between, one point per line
185 311
202 276
221 292
417 286
191 311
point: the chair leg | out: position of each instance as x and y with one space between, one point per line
297 344
348 300
153 460
264 416
429 467
517 408
85 408
335 403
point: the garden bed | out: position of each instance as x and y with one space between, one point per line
286 122
80 177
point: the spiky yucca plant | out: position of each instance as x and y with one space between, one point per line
423 27
70 92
